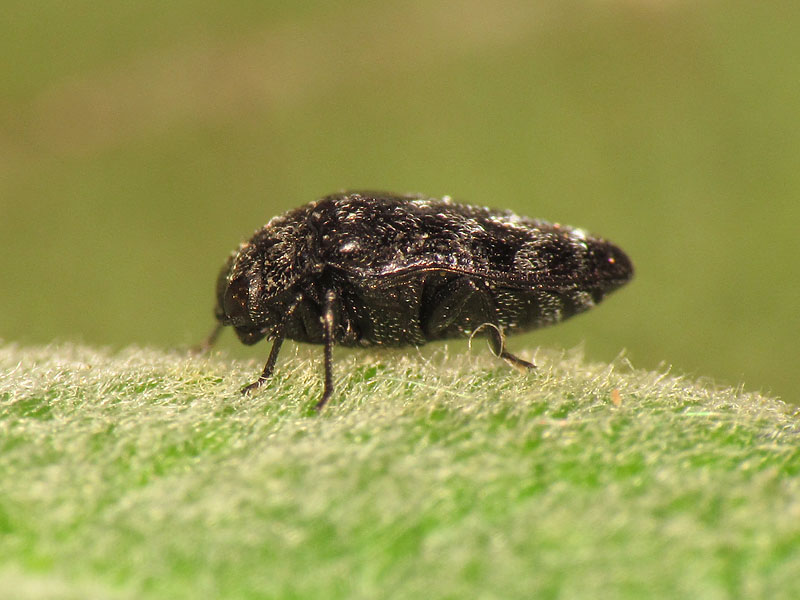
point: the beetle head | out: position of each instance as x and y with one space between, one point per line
238 291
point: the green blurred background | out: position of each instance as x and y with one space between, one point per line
140 142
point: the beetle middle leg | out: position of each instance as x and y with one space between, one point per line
463 303
328 324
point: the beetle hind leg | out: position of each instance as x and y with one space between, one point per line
497 341
465 302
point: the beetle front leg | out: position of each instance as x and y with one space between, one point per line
273 353
268 368
207 343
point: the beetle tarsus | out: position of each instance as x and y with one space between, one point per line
253 386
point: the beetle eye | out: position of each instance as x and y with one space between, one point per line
235 301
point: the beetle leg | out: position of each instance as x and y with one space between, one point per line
457 299
206 344
328 323
497 340
273 353
268 368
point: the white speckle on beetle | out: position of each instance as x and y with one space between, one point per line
350 246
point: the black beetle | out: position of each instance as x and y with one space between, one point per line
380 269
